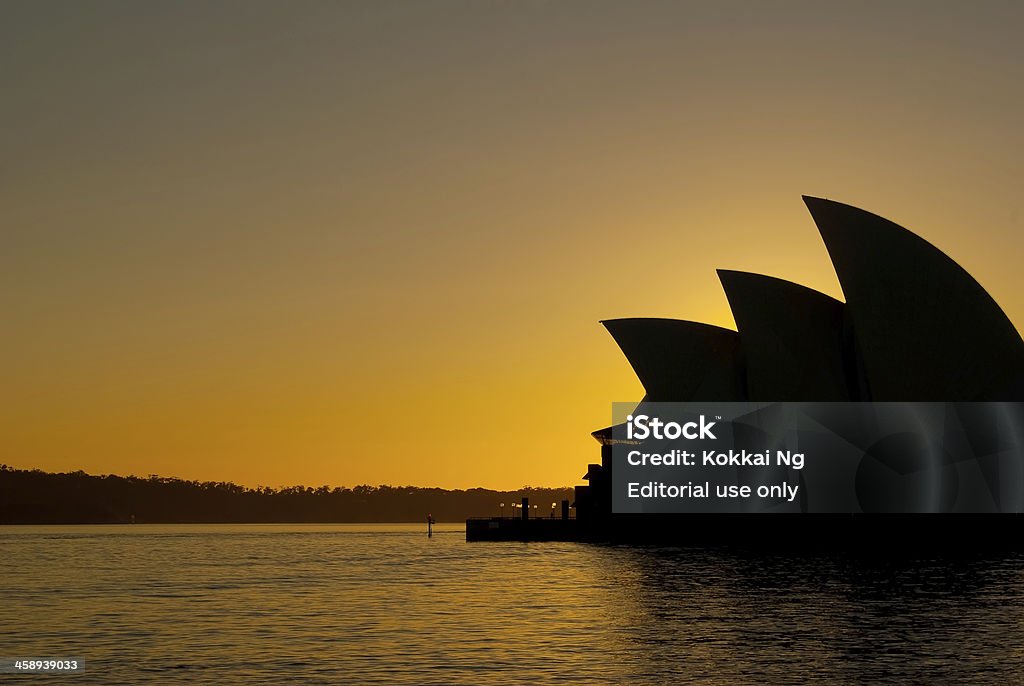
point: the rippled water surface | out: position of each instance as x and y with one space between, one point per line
370 604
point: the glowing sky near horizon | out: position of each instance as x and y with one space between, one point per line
370 242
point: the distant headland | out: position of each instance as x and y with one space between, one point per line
37 497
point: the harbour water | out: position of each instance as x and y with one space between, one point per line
368 604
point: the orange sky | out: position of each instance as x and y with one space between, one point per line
365 242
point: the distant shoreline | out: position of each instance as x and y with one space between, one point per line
35 497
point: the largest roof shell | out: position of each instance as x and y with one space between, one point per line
925 328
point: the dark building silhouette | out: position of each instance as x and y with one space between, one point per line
915 327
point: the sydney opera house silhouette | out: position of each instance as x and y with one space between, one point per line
915 326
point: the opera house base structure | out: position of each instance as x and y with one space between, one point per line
911 393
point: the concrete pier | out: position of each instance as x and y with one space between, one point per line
520 529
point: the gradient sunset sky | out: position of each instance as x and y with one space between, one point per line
370 242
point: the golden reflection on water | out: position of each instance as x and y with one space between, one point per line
385 604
